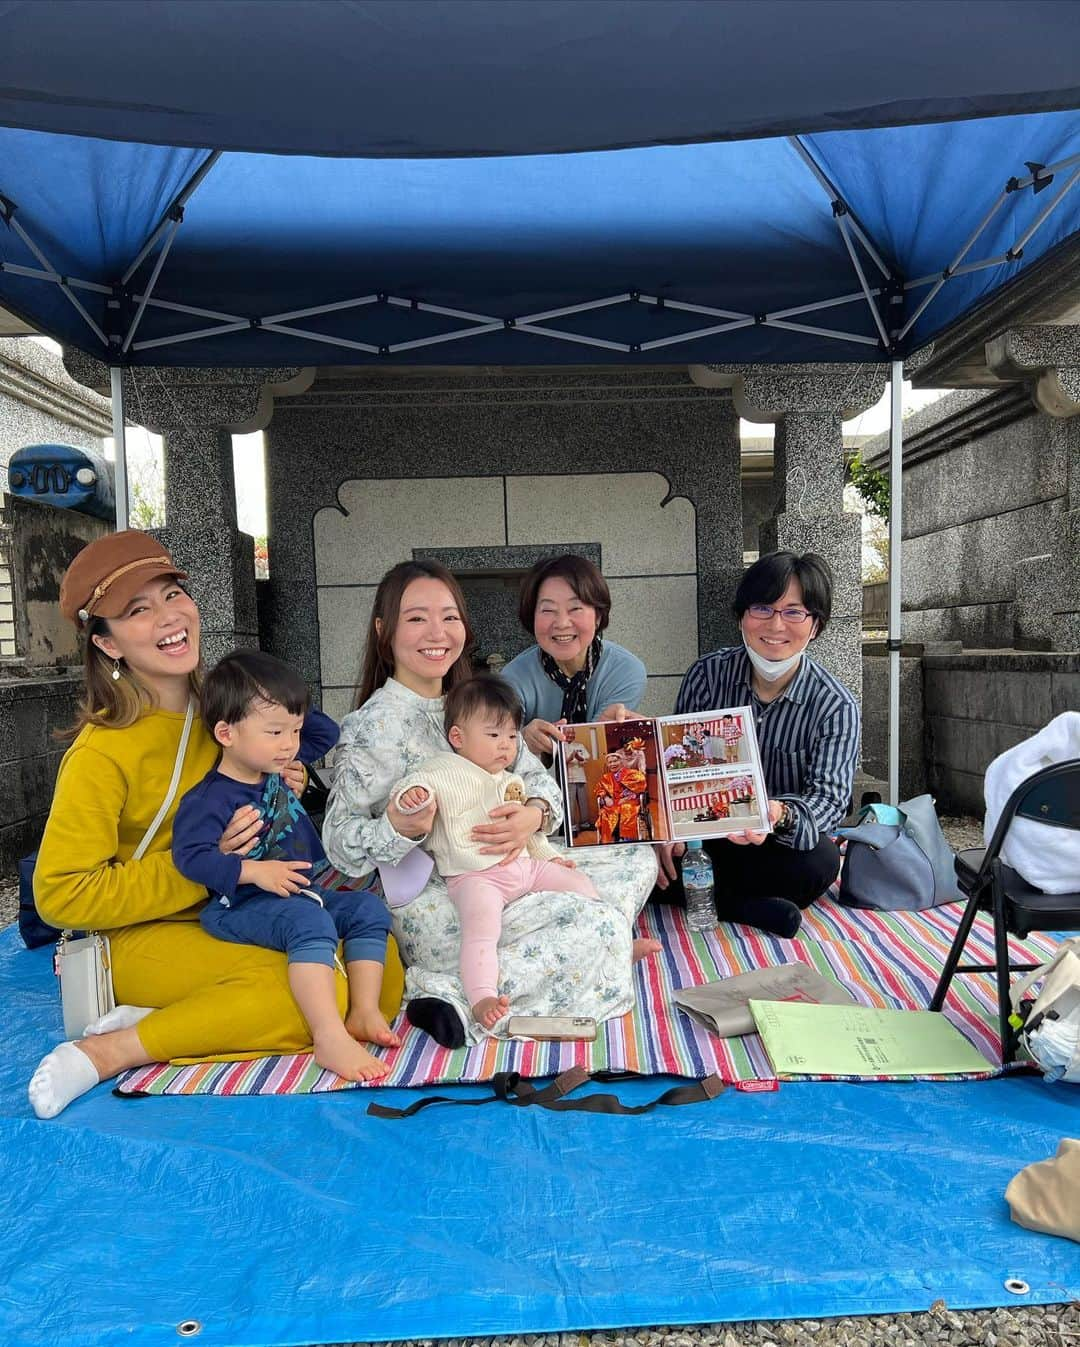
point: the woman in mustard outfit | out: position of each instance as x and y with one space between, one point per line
180 993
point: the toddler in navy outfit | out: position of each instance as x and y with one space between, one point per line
281 895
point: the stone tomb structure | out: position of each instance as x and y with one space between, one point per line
991 542
487 469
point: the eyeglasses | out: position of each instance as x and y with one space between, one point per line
762 612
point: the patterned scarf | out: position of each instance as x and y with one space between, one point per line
574 689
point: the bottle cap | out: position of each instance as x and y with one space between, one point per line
694 844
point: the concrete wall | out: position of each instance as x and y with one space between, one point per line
369 468
31 709
978 705
875 720
39 404
986 486
646 550
44 541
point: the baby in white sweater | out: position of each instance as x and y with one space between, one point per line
482 719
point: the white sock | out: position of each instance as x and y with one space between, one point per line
122 1017
62 1075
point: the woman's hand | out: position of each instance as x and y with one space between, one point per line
617 711
513 824
541 736
412 826
667 855
241 832
755 839
295 777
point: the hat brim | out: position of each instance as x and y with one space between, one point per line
120 593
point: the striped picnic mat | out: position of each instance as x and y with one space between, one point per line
888 960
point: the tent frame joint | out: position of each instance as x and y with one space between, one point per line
7 208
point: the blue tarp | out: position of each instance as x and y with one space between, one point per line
465 155
281 1221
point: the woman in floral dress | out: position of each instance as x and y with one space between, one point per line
560 953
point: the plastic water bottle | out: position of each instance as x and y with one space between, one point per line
697 877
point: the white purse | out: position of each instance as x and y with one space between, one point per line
83 963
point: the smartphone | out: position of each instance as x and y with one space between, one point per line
552 1028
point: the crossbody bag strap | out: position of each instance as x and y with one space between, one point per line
170 794
508 1087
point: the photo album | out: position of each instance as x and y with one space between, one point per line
667 779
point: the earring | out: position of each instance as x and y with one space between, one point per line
116 671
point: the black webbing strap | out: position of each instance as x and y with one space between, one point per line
508 1088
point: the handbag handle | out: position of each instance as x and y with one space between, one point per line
1024 984
170 794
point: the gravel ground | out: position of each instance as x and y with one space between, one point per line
1009 1326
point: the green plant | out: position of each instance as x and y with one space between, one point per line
146 510
872 485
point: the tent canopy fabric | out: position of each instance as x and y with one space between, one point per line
437 182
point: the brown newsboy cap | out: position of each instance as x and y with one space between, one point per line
107 574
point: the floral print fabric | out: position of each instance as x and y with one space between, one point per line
559 954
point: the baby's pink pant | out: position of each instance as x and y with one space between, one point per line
480 897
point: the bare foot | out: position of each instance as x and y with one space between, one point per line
490 1009
343 1055
642 948
370 1026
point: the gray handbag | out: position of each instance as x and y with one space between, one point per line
898 859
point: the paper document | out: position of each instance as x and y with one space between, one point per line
808 1040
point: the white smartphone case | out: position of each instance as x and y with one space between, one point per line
552 1028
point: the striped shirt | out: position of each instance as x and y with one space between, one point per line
809 736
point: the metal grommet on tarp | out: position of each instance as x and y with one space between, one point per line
1016 1286
188 1329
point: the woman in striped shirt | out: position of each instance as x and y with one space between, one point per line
807 726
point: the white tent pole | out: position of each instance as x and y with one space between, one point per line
120 441
65 289
842 223
1046 171
838 202
896 474
158 264
950 270
1021 243
175 213
821 332
693 336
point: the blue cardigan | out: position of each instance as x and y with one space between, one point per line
619 676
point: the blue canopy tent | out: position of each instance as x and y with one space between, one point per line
263 181
271 182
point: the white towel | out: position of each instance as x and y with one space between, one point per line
1047 857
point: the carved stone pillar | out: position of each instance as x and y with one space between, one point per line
807 404
1046 360
196 411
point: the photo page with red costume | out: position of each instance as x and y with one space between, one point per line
667 779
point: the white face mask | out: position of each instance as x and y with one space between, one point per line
771 669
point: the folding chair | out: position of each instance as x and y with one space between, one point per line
1051 796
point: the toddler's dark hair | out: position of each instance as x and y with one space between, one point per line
482 692
248 676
